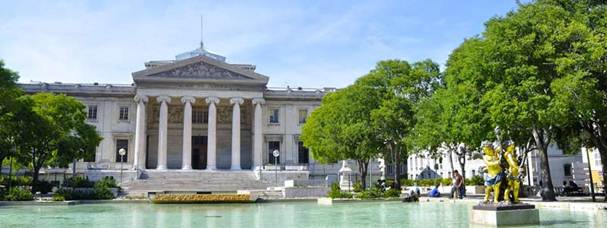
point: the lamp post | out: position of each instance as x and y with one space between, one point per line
121 152
276 153
590 175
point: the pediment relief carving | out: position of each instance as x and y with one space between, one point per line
201 70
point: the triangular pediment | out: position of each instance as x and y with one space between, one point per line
199 68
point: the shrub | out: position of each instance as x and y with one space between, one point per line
406 182
16 180
475 180
392 193
371 193
18 194
427 182
78 182
357 187
97 193
447 181
43 187
201 198
58 198
106 182
102 193
337 193
64 193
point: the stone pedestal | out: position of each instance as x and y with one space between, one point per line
505 215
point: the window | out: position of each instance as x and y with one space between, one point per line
302 153
303 115
199 116
124 113
122 143
92 112
274 115
567 169
273 145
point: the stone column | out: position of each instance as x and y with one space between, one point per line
140 134
257 133
212 134
236 102
187 132
162 132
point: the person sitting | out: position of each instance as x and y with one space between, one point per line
434 192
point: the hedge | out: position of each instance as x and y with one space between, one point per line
201 198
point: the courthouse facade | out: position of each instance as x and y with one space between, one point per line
196 112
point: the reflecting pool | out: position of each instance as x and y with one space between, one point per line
292 214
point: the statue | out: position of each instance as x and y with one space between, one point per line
513 173
494 172
502 168
503 175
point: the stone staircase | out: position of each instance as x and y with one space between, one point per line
180 181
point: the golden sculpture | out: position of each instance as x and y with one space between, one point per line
513 174
494 171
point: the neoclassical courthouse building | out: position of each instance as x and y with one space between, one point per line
197 112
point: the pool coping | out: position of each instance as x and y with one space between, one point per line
572 206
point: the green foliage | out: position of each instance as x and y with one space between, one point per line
357 187
376 192
370 193
102 193
372 117
392 193
43 186
475 180
9 106
97 193
106 182
337 193
446 181
58 198
18 194
16 181
78 182
54 132
427 182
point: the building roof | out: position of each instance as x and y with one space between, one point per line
81 89
128 90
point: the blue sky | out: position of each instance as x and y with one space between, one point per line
298 43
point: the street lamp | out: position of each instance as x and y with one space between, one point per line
121 152
276 153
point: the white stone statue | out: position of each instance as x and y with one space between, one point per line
345 175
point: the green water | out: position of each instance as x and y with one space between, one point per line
297 214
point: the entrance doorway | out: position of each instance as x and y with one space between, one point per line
199 152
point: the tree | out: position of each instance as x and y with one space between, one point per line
9 92
54 132
453 121
341 129
403 86
372 117
529 53
581 91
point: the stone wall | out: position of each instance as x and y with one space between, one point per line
270 176
305 192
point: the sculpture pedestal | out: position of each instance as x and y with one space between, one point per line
501 215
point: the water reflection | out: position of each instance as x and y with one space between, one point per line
301 214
